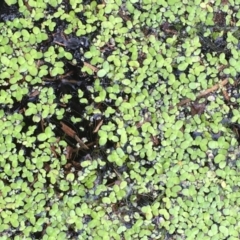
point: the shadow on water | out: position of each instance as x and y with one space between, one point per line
8 12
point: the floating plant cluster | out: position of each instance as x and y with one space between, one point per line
119 119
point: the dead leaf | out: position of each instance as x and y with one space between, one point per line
34 93
197 108
155 140
69 152
71 133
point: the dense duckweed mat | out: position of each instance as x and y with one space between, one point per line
119 119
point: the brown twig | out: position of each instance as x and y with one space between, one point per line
70 81
59 43
60 77
204 93
98 126
82 144
65 75
62 105
94 69
225 94
49 79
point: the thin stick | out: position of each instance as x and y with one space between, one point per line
94 69
98 126
61 44
204 93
